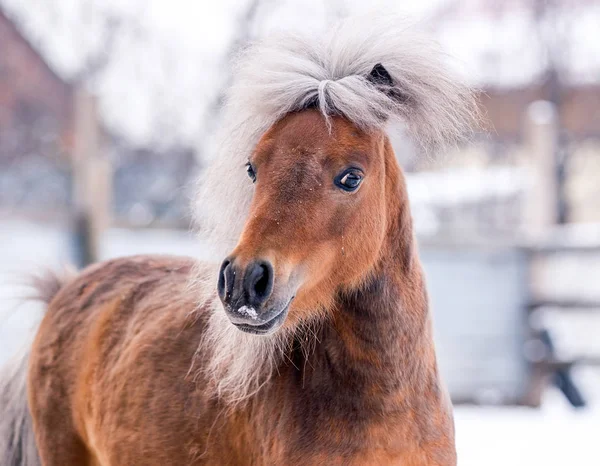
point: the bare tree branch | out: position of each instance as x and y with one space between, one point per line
245 24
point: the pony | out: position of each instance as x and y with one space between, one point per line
306 337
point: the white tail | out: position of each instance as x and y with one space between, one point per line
17 440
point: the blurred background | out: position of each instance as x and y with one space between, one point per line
107 108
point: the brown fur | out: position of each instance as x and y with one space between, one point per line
110 380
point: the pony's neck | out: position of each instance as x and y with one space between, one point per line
383 331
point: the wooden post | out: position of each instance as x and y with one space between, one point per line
91 181
542 138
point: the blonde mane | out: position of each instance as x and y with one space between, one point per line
287 73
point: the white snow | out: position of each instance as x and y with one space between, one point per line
554 435
248 311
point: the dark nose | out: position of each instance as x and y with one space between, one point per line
250 287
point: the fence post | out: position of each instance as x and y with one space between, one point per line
91 181
543 194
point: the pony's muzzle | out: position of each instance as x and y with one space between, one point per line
244 291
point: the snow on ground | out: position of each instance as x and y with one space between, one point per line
554 435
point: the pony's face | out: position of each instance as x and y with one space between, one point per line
316 222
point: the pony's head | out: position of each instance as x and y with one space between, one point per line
297 202
316 222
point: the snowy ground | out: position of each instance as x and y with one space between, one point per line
551 436
486 436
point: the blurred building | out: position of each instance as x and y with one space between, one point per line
36 125
579 109
37 141
519 52
35 110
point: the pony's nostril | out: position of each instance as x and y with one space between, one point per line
225 283
260 287
259 282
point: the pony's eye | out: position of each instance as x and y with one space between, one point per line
251 172
349 180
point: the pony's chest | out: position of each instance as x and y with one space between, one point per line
321 431
325 426
336 444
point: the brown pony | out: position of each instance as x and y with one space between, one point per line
311 342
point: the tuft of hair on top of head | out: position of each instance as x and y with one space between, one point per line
368 69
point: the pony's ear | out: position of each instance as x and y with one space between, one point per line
380 77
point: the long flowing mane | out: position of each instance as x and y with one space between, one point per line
288 73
